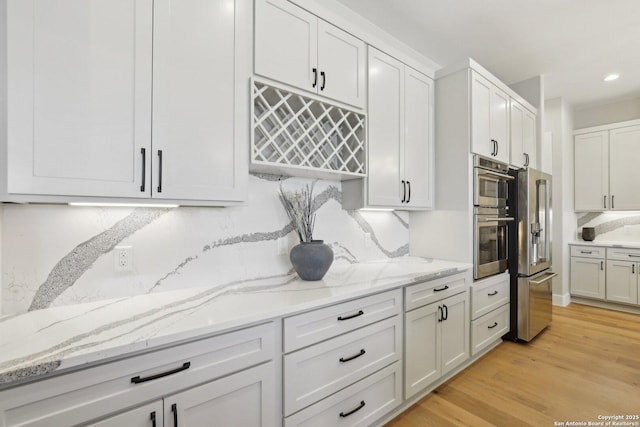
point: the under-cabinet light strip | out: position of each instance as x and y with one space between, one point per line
123 205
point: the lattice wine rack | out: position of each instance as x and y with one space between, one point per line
292 131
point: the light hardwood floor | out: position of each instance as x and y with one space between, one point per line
585 364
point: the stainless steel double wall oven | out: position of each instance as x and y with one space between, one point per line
490 217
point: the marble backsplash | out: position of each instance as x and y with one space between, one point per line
611 226
54 255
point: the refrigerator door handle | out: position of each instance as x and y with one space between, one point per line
549 276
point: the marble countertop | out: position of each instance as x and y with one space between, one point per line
607 244
65 338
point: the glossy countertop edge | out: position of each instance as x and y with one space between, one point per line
27 372
606 244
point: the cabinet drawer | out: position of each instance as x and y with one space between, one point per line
489 328
434 290
315 326
623 254
489 294
588 251
92 393
376 395
318 371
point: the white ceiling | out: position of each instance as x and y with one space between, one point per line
573 43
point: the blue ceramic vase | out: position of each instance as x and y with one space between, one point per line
311 260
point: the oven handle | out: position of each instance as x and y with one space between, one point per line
547 277
497 219
485 172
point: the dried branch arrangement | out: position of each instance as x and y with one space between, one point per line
300 210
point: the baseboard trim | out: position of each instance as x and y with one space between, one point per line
606 304
561 300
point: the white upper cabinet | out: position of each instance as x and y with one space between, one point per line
624 173
197 121
92 112
79 97
294 47
523 136
591 167
489 119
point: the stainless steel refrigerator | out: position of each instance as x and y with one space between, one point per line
530 255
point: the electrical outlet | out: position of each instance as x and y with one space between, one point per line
123 257
367 240
283 247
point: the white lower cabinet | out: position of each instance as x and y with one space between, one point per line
588 272
436 341
489 328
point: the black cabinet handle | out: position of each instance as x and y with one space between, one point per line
409 196
143 151
174 409
444 288
613 206
138 379
492 294
494 152
601 265
404 191
605 202
497 147
153 419
493 326
440 314
353 411
355 356
324 80
633 269
446 312
526 159
159 171
586 252
315 77
633 256
359 313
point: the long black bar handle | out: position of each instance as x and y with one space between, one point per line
446 312
153 419
353 411
159 171
605 201
440 313
404 191
143 151
315 77
493 326
601 265
324 80
444 288
409 196
494 151
174 409
358 314
613 206
138 379
355 356
633 269
494 293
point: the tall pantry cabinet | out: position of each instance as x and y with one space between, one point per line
127 99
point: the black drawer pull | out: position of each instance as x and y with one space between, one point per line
354 410
492 294
355 356
138 379
358 314
444 288
153 419
633 256
493 326
586 252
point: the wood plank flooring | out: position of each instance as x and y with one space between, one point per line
585 364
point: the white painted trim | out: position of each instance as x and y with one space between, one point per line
561 300
609 126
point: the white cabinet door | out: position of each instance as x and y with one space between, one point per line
286 44
529 139
196 107
79 97
145 416
342 65
245 399
422 350
500 123
591 168
624 173
622 281
386 130
588 277
454 343
481 140
516 154
418 143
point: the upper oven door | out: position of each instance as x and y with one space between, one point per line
490 188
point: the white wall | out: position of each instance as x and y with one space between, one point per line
1 218
559 121
628 109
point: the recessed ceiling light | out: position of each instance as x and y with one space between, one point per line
611 77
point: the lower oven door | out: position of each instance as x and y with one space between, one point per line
490 245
